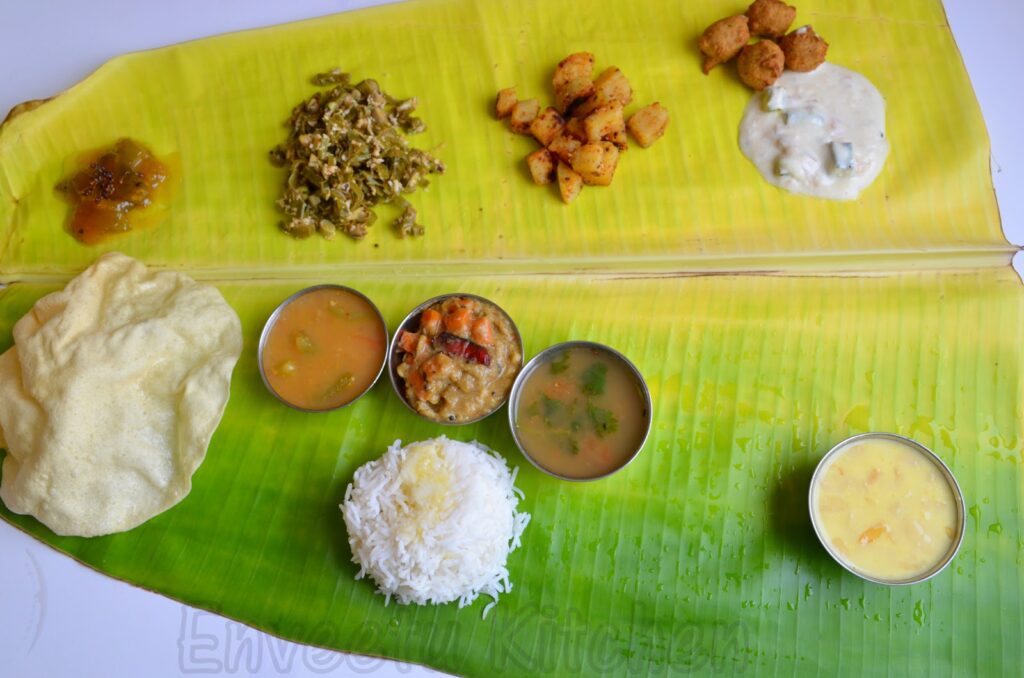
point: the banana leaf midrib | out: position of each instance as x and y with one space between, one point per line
810 264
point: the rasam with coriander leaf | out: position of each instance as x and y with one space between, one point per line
582 413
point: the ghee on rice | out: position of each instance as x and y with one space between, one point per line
434 522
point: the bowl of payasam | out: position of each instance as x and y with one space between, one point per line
887 509
323 348
580 411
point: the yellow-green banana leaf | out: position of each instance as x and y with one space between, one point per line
690 201
769 327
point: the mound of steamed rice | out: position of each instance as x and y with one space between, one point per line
434 522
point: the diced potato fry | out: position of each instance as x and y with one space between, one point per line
574 128
505 102
614 86
564 145
579 65
542 163
572 92
596 162
610 86
523 114
585 131
619 139
604 122
569 183
546 126
648 124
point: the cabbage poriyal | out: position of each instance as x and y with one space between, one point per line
110 395
435 522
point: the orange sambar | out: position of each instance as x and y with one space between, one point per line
324 349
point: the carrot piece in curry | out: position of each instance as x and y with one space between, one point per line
430 322
408 341
482 332
457 321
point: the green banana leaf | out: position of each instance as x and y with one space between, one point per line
699 554
769 328
690 201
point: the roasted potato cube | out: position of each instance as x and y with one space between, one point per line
596 162
648 124
619 139
613 85
542 163
569 183
523 114
574 128
576 90
604 122
564 145
506 100
546 126
610 86
572 67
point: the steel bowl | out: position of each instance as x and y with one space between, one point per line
541 359
411 324
928 454
272 320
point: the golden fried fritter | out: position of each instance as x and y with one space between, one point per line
804 49
723 40
760 64
770 18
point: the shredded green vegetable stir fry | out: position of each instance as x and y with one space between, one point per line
345 154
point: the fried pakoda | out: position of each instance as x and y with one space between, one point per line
804 49
723 40
770 18
760 64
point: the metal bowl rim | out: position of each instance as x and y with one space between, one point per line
272 320
536 360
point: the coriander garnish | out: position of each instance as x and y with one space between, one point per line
604 420
560 364
594 378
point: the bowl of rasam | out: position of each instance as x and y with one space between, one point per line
580 411
323 348
887 508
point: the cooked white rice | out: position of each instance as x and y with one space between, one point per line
434 522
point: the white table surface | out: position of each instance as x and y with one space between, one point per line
60 618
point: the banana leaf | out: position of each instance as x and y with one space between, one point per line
691 201
769 327
699 555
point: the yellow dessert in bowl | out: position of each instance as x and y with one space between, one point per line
887 508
